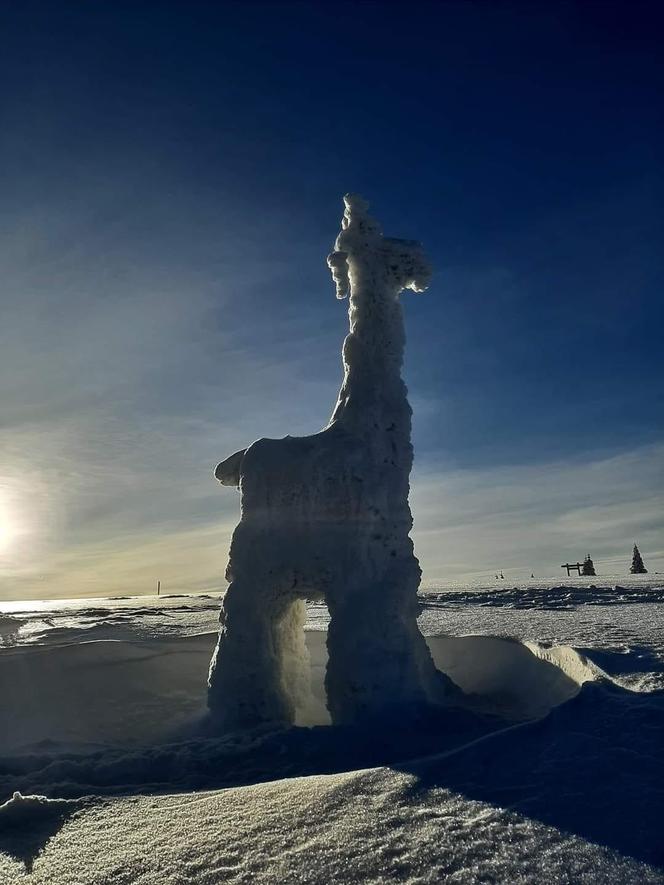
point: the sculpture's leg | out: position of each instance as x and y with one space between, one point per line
378 659
260 670
244 685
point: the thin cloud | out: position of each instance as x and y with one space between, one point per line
524 518
125 377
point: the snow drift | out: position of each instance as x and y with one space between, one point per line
120 693
516 680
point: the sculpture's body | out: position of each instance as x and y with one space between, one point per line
327 516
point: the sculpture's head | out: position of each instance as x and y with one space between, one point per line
400 263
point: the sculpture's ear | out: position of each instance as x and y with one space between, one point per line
228 471
408 264
338 264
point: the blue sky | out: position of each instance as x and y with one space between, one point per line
172 177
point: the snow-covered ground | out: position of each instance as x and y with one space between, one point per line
549 771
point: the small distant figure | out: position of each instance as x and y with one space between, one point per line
588 567
496 577
158 587
637 567
502 576
532 575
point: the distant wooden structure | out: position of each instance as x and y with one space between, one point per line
572 566
158 587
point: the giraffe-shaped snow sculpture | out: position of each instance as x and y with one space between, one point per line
326 516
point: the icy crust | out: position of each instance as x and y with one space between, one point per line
326 516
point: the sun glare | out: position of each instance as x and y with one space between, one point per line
6 533
8 530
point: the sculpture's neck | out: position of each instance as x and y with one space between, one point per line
373 396
374 270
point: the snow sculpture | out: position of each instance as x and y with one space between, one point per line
326 516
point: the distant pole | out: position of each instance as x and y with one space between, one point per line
158 587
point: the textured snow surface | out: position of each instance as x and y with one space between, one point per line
411 824
576 795
66 621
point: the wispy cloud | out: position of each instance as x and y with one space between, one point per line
125 377
123 382
474 522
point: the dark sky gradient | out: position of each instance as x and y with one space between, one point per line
521 142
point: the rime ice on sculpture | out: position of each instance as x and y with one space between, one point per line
326 516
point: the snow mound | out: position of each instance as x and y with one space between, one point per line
116 693
517 680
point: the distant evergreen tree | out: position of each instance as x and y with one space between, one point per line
638 568
588 566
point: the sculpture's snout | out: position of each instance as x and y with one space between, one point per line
228 472
338 264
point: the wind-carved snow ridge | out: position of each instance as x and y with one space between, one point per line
326 516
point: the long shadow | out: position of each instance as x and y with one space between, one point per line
208 762
638 659
592 767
